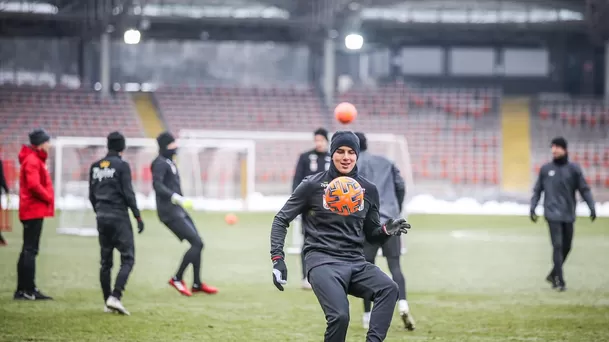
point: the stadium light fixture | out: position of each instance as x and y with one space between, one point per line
354 41
132 36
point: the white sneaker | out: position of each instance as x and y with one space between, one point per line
108 310
306 285
114 303
366 320
406 316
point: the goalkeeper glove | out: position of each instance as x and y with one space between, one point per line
181 201
280 273
396 227
533 216
140 225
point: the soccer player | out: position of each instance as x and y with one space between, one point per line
36 202
170 206
392 190
3 186
559 180
333 245
111 195
310 163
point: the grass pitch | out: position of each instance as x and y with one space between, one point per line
468 279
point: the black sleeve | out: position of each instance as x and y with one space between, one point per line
128 189
158 174
3 184
292 208
91 190
583 188
373 228
400 185
537 190
299 174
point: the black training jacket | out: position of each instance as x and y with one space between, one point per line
166 182
110 189
310 163
329 237
559 182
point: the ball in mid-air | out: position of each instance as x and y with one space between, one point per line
345 112
344 196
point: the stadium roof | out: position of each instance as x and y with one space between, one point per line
288 19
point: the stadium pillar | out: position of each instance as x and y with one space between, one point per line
104 63
329 70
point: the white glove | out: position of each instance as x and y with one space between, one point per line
181 201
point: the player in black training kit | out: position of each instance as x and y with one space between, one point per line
333 246
111 195
559 180
392 191
170 207
310 163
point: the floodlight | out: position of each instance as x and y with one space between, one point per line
132 36
354 41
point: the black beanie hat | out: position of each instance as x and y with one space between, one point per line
165 139
560 142
38 137
344 138
363 142
321 131
116 142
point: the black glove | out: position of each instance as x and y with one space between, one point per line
280 273
533 216
592 215
396 227
140 225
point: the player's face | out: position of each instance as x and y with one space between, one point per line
321 144
46 146
558 152
172 146
344 159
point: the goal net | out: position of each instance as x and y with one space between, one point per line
214 173
272 164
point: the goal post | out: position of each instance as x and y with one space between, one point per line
202 163
275 155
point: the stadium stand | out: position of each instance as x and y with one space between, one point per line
250 109
241 108
585 124
449 130
61 112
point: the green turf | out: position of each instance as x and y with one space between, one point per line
487 285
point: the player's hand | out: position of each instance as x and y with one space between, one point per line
593 215
533 216
140 225
396 227
280 273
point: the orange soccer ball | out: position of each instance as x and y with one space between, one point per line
344 196
231 219
345 112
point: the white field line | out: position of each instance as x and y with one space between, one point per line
488 236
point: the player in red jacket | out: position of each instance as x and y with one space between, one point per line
36 201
